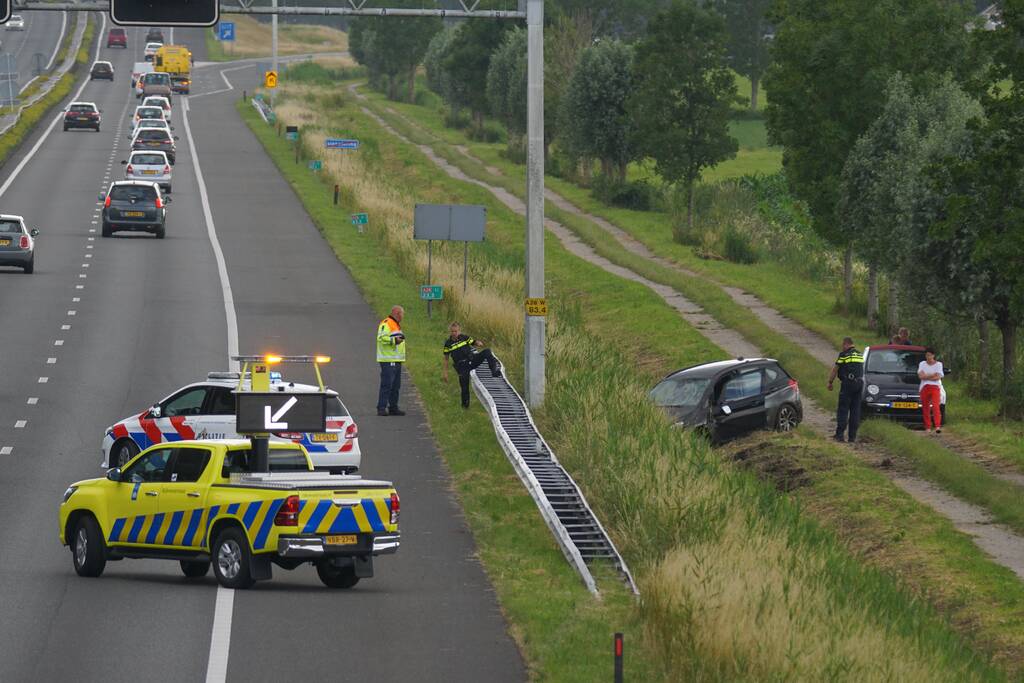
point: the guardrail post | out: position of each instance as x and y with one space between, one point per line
335 194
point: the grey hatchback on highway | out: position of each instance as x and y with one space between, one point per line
729 398
134 205
17 243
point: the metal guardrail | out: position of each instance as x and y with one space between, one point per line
561 503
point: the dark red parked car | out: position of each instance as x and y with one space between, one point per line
116 37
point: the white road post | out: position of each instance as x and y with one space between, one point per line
535 325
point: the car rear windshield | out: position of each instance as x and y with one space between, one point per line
117 31
893 361
148 159
81 108
9 227
156 78
335 408
281 460
153 134
680 392
101 66
151 113
127 193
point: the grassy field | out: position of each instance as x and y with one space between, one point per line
253 39
675 510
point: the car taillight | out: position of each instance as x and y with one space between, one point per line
106 203
159 203
129 169
351 431
395 508
793 385
167 169
288 513
23 244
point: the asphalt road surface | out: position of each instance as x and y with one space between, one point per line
41 37
105 327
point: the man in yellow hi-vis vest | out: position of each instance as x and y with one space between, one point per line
391 356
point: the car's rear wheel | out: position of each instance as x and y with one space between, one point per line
336 577
232 559
30 267
88 551
160 232
194 570
108 230
122 452
787 419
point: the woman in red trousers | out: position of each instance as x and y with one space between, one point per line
930 372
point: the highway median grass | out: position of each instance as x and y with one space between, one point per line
726 565
253 39
32 115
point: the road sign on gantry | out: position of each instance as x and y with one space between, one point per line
164 12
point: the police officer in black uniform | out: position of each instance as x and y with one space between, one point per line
849 368
460 348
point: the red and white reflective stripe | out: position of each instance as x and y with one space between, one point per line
184 431
120 431
151 429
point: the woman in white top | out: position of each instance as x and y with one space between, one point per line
930 373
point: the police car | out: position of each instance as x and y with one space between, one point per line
206 410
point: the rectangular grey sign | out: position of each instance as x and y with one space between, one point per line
457 222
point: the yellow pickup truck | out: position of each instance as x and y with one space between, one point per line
200 503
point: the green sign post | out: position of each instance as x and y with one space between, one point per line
360 219
316 165
431 292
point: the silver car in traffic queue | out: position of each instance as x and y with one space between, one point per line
17 243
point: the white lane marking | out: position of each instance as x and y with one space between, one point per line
91 239
56 47
33 400
6 450
94 223
92 229
44 380
60 115
51 360
82 275
85 265
220 635
226 81
88 246
72 313
58 342
76 299
20 424
220 638
65 327
79 286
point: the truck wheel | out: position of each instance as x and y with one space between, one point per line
336 577
232 559
88 551
194 570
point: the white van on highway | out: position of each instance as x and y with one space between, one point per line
138 70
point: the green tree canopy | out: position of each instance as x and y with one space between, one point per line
684 95
746 23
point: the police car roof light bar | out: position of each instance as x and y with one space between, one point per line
273 359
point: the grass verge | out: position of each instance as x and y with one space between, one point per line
31 115
253 39
931 460
737 582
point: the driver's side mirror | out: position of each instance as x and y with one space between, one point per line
114 474
34 232
155 411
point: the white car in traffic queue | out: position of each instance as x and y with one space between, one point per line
149 123
150 50
159 101
152 166
148 112
206 410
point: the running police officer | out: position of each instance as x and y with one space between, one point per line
849 368
459 348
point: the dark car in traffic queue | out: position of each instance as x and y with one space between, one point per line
154 35
726 399
134 205
891 384
82 115
17 243
158 139
102 71
116 37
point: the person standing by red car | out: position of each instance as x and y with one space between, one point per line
930 372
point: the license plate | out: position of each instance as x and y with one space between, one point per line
83 118
134 214
4 243
347 539
905 404
149 173
324 436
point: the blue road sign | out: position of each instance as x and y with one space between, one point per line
337 143
226 30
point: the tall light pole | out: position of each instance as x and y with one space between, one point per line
535 324
273 47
